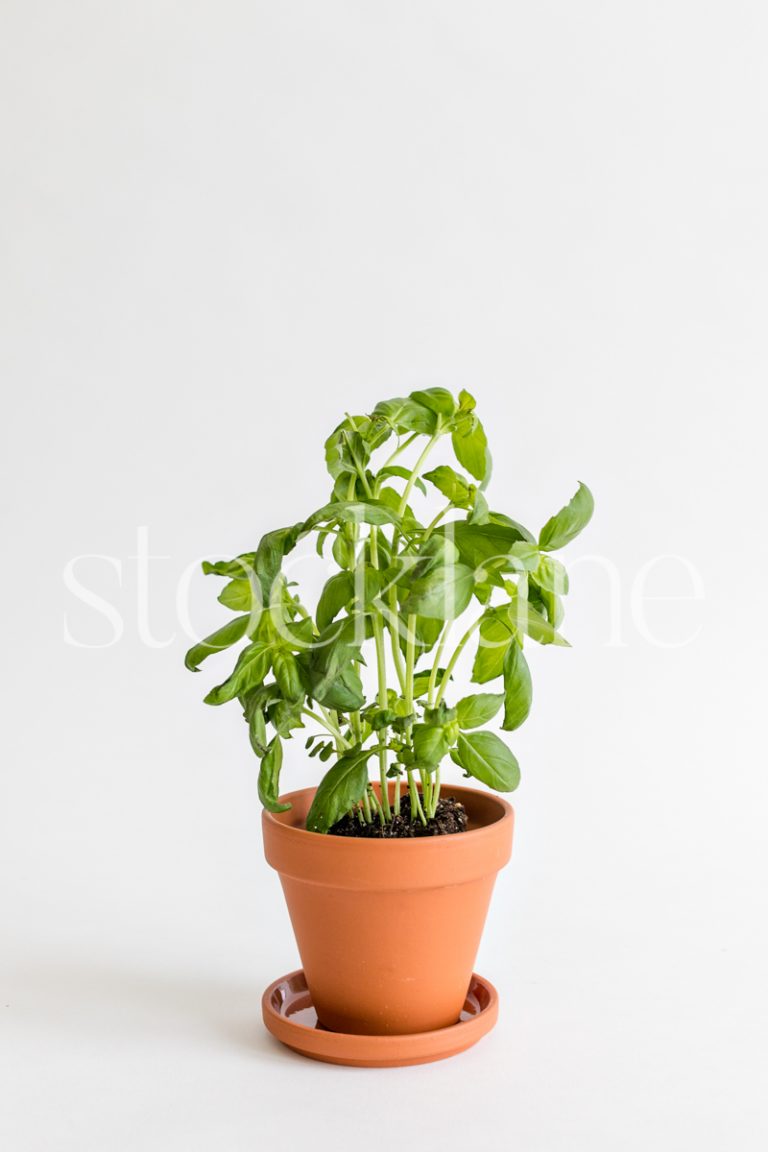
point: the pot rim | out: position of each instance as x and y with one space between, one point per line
357 862
346 843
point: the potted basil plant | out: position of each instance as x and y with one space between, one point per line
388 871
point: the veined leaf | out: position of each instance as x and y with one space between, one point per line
273 547
331 674
403 474
353 511
453 486
345 692
237 595
496 633
525 617
336 594
471 447
487 758
443 594
518 690
551 575
421 680
474 711
430 743
438 400
257 726
251 668
342 787
407 415
240 567
569 521
426 634
286 669
480 543
286 715
269 777
218 641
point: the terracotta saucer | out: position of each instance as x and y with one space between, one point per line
288 1014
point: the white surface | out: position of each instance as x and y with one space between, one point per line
222 225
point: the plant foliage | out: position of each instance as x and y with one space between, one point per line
400 591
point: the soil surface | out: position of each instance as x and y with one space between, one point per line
450 817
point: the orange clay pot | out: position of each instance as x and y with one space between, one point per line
388 930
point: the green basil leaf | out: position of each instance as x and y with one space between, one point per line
471 448
487 758
345 693
569 521
525 617
257 725
507 522
287 715
453 486
480 511
269 777
331 675
251 668
421 681
342 787
336 594
343 551
496 632
474 711
286 669
480 543
426 634
237 596
350 444
270 554
239 567
443 594
353 511
551 575
218 641
430 743
403 474
406 415
518 691
438 400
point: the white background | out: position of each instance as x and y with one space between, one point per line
222 225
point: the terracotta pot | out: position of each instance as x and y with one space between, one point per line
388 930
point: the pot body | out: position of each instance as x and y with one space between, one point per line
388 930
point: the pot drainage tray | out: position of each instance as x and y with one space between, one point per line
289 1015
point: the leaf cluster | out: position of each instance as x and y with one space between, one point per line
401 583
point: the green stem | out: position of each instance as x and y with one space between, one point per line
433 523
416 808
435 792
426 791
410 660
375 802
367 808
381 665
401 448
452 662
359 469
417 468
329 727
394 632
438 657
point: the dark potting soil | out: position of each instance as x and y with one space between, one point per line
450 817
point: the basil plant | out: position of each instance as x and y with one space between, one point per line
412 597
